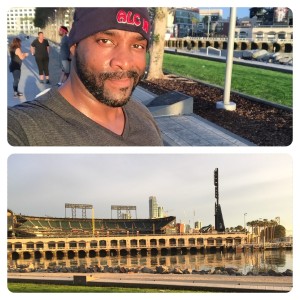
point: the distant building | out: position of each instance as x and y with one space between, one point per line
160 212
268 24
272 16
153 208
212 12
20 20
198 225
180 227
184 22
188 228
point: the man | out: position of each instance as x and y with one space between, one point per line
64 54
40 49
93 107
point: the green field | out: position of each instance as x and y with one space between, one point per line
269 85
51 288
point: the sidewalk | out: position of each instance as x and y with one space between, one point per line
29 81
190 129
212 283
177 130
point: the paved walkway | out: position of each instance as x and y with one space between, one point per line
163 281
184 130
190 130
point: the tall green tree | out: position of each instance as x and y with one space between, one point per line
156 51
41 16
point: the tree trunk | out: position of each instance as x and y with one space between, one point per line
158 44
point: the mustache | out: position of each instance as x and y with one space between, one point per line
120 75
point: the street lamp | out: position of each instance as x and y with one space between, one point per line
245 214
55 20
208 23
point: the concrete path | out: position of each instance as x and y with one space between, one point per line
178 130
191 129
163 281
29 82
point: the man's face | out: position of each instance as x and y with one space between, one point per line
110 64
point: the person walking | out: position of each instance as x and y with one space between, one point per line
40 49
16 58
94 106
64 55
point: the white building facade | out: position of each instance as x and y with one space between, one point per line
20 21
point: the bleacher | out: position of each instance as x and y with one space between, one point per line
46 226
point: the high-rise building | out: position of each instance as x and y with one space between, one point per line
20 20
153 208
160 212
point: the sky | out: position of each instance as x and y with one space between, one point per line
258 185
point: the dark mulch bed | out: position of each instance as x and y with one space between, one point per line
262 124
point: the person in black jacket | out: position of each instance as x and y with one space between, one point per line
17 57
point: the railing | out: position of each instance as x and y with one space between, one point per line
254 39
212 48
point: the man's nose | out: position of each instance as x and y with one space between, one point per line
122 58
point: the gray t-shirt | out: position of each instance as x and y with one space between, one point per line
51 121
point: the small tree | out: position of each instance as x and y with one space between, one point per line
239 228
279 232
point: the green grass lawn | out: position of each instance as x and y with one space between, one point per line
260 83
51 288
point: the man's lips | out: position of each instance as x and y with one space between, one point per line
121 82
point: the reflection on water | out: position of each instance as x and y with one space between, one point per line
257 261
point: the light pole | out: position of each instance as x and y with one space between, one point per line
208 23
245 214
226 103
55 22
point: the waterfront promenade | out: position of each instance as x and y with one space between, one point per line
213 283
177 130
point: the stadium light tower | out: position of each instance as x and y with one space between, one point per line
219 222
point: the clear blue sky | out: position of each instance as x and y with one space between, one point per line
257 184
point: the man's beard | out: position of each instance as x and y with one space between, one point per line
94 83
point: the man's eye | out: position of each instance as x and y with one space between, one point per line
138 46
104 41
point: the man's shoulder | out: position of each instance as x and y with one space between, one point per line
30 108
26 113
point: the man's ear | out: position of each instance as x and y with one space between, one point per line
72 50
